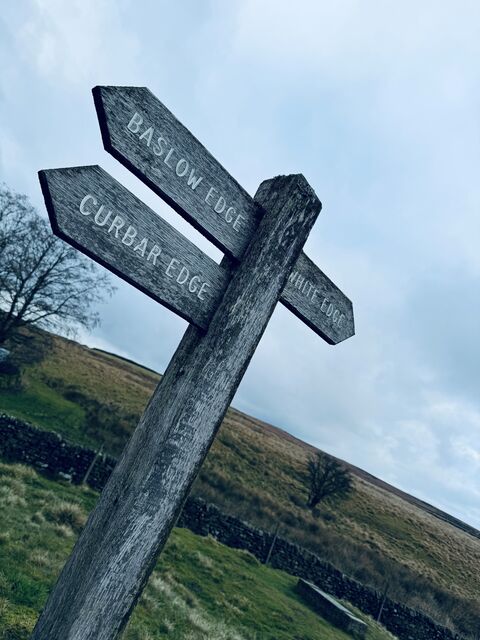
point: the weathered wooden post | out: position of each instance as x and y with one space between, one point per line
229 306
91 465
272 544
384 598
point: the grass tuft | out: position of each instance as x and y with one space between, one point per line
258 474
67 515
200 589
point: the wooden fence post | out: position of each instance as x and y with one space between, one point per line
272 545
384 598
91 465
140 504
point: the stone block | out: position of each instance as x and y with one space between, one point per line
330 609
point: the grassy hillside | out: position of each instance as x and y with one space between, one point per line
258 472
200 589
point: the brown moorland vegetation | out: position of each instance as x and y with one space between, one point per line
259 473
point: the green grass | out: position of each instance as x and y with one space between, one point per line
44 407
200 589
259 474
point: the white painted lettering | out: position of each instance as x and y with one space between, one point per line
84 211
193 284
130 235
147 135
171 266
210 193
183 275
135 122
155 251
167 158
98 216
117 224
126 233
141 247
220 205
329 310
324 305
238 222
336 313
308 285
193 181
202 290
181 170
157 148
300 281
229 213
314 295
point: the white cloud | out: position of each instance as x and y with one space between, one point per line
466 451
377 103
402 78
69 42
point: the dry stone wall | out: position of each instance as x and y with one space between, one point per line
50 454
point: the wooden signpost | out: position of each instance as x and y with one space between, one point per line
140 132
228 306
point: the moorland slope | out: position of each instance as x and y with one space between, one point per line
258 472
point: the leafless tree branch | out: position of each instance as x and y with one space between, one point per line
43 281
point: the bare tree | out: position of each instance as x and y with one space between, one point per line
329 479
43 281
12 207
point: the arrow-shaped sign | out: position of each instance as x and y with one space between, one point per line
97 215
140 132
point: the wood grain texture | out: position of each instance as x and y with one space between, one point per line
137 147
316 300
130 250
116 552
150 161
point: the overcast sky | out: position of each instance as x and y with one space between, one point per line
378 105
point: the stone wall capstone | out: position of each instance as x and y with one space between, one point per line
50 454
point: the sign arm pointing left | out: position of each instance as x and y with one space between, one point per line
97 215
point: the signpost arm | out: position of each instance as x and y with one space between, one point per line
140 504
181 170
